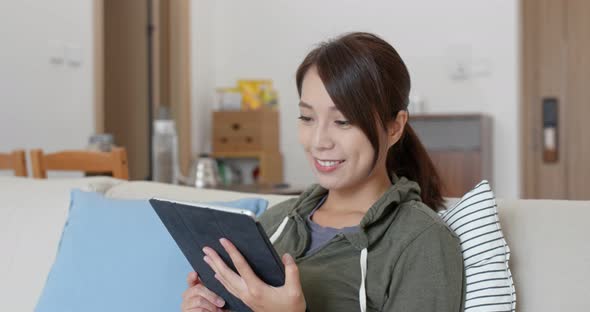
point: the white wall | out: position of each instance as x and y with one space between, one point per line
203 82
44 105
268 39
50 106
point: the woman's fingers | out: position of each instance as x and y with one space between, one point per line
292 282
198 304
202 291
199 298
249 288
240 263
231 279
228 286
192 279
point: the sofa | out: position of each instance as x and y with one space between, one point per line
550 255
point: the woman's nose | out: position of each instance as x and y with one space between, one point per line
322 139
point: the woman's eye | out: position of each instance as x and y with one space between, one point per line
304 118
342 122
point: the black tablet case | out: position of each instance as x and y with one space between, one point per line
196 227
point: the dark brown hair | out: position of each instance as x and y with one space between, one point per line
368 82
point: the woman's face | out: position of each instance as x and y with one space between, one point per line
340 154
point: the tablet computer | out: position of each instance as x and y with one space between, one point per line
196 225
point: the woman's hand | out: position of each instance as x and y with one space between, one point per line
198 298
256 294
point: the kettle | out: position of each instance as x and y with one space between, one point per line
203 173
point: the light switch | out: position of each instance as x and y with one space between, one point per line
56 52
73 55
459 58
482 67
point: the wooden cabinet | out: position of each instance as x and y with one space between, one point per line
245 131
250 134
460 147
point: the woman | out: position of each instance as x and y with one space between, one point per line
367 237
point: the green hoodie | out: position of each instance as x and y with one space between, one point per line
404 258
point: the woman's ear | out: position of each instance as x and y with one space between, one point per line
395 129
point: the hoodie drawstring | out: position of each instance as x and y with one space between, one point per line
279 231
362 290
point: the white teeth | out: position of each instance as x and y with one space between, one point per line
327 163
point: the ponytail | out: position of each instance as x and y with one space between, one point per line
409 158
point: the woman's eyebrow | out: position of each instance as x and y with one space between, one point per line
305 105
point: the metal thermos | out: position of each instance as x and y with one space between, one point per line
205 172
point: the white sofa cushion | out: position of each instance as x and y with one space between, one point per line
32 215
550 258
146 190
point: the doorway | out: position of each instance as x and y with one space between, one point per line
142 60
555 104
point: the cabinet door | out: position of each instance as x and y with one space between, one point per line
125 81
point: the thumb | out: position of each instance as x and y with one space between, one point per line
291 272
192 279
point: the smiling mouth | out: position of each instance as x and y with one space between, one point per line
328 163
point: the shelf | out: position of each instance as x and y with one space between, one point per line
270 163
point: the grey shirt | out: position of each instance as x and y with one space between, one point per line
321 235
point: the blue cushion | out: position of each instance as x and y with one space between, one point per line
116 255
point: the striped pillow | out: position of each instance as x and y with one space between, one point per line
485 252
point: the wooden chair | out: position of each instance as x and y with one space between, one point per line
114 162
15 161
